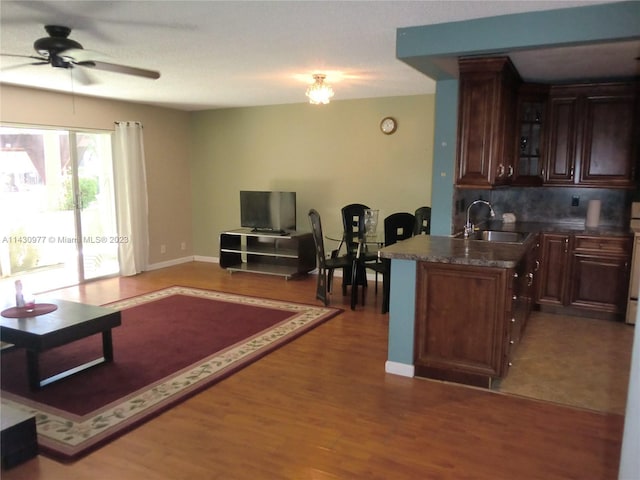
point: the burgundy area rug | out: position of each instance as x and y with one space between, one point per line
172 343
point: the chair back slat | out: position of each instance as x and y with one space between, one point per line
422 224
398 226
353 224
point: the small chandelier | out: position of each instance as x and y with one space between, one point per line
319 92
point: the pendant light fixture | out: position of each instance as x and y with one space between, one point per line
319 92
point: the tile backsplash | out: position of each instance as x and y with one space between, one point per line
547 204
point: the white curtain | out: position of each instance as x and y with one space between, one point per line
131 197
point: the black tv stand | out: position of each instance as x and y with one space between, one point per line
286 254
268 231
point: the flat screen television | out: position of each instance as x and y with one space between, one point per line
271 212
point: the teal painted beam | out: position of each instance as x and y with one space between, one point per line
426 47
444 156
402 311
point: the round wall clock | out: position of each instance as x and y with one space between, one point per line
388 125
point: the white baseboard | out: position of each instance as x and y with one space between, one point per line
202 258
169 263
401 369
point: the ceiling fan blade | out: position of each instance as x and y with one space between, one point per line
21 65
42 59
80 55
112 67
82 76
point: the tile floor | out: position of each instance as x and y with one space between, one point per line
573 360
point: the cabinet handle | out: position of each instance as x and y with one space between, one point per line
515 275
513 319
530 282
571 171
501 170
566 244
511 342
510 364
537 266
515 297
510 174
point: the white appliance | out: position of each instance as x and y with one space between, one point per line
634 283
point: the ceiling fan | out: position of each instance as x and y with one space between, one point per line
58 50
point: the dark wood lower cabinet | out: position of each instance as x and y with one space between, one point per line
470 319
554 269
465 323
600 274
586 273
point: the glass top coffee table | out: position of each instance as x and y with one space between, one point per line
69 322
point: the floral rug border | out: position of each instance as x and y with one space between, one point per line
69 435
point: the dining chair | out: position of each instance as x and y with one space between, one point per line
326 266
353 234
353 224
397 226
422 224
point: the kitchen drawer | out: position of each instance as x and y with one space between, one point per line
613 245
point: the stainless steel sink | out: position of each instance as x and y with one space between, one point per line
499 236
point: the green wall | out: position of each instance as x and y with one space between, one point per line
331 155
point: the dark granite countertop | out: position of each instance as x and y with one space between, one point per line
559 227
429 248
460 251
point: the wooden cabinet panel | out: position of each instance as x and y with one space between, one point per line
608 141
477 102
460 322
561 146
554 267
587 272
592 135
599 282
600 273
610 245
486 121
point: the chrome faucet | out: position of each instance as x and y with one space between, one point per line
468 226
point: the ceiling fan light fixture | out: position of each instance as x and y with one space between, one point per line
319 93
56 42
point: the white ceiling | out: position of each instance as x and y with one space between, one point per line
217 54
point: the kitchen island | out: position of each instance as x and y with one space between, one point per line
458 306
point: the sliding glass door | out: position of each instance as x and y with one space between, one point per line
57 224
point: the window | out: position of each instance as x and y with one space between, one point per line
58 223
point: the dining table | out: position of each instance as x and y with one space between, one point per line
372 239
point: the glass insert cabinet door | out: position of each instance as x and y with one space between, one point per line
58 215
530 147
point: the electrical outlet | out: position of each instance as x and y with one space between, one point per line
575 201
183 246
163 249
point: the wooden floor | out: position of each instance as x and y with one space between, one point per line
322 407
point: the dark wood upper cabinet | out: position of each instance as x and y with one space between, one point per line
510 133
486 122
592 135
531 119
561 140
